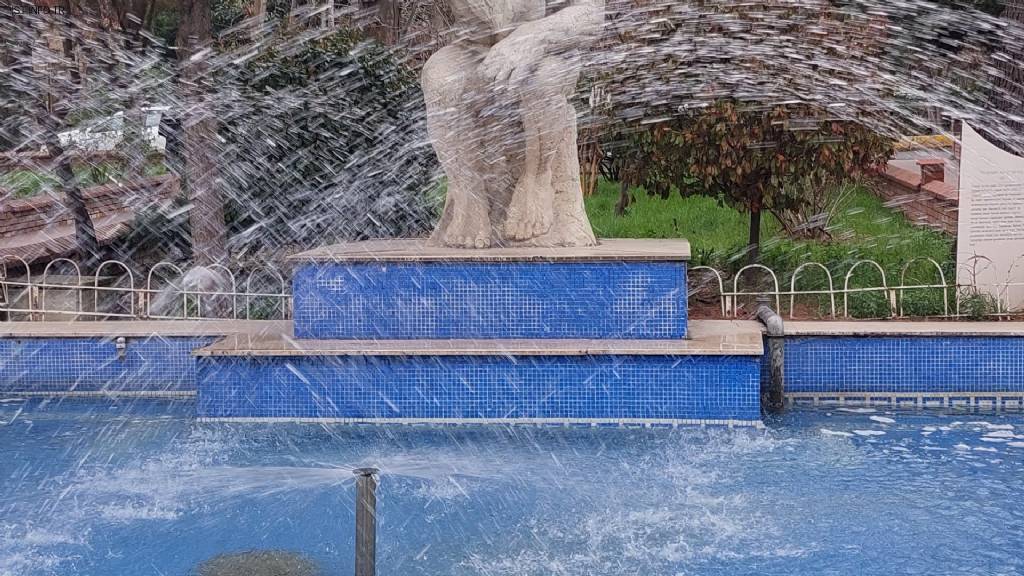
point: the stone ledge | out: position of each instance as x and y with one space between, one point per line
708 338
900 328
139 328
417 250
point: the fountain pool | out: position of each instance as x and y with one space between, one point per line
100 487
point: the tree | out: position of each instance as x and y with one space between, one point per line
324 145
755 157
65 82
209 231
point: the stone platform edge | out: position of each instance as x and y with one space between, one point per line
707 338
830 328
419 250
268 328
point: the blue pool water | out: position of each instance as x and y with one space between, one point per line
99 488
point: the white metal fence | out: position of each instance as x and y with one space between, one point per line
954 296
115 292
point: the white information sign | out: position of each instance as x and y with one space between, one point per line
990 229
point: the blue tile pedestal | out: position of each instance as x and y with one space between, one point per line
623 289
148 365
952 370
493 389
398 331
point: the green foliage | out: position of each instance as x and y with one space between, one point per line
715 230
323 146
157 233
752 157
165 25
227 13
977 306
863 229
27 183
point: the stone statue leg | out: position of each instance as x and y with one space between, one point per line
571 225
530 211
450 82
547 205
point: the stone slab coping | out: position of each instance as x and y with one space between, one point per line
417 250
698 329
884 328
707 337
139 328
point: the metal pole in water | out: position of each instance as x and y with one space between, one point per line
366 521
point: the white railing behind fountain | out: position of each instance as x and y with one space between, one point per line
837 291
115 292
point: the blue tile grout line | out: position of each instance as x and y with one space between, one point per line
88 365
494 388
585 300
969 364
920 371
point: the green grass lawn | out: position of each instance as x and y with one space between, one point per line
29 183
863 229
26 183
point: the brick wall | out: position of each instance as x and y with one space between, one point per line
933 204
35 214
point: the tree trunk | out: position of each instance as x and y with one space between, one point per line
256 15
623 203
86 244
390 17
754 241
209 231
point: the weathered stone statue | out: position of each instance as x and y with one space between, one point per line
499 117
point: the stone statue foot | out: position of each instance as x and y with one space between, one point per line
530 213
465 231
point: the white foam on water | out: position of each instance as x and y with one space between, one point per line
23 549
882 419
984 449
125 513
869 433
1015 444
828 432
654 537
857 410
1000 433
961 446
990 439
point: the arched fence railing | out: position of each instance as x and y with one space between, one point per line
173 292
839 291
113 291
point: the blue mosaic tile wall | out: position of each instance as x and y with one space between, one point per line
643 300
477 387
967 364
151 364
